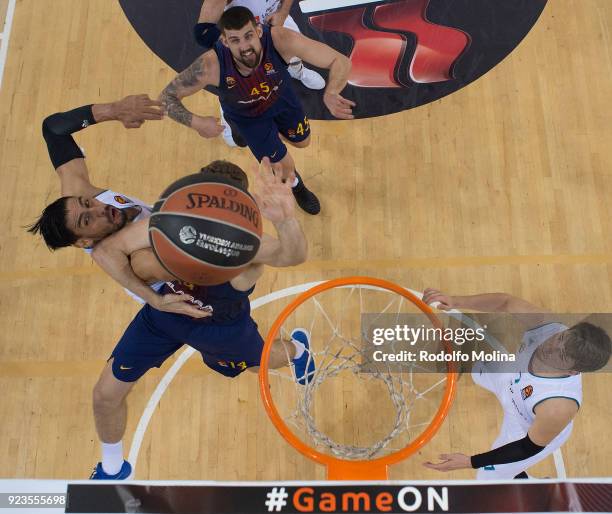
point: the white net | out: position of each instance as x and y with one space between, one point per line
356 406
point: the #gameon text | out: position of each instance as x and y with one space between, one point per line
412 335
408 499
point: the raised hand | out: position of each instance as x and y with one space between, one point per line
207 126
134 110
276 19
445 302
339 106
273 196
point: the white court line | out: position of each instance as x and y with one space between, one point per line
152 404
147 414
5 36
559 464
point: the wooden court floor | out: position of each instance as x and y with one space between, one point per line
503 186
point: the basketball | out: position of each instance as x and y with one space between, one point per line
205 229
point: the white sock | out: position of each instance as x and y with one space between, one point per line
299 349
296 64
112 457
296 181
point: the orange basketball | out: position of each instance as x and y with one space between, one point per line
205 229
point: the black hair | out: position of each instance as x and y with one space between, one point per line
52 226
235 18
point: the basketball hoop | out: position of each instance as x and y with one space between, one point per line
355 464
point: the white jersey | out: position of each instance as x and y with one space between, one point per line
261 9
526 390
519 394
124 202
119 201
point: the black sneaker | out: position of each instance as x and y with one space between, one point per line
305 198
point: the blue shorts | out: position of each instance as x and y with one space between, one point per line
153 336
261 134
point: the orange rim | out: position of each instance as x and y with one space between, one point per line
358 469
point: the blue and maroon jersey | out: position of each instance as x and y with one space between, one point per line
262 91
224 302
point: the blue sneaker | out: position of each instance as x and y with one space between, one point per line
124 472
301 375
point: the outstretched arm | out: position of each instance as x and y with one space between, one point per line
528 314
65 154
200 74
277 204
552 416
293 44
112 255
486 302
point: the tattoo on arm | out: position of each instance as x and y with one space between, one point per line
174 107
182 86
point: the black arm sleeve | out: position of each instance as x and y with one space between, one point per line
57 130
206 34
511 452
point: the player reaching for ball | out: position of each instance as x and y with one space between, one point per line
249 68
85 213
541 399
215 320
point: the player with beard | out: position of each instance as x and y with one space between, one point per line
542 397
270 12
249 67
85 214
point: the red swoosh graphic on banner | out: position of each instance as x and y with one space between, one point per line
376 54
438 47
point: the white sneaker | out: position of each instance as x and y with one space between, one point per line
227 131
310 78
